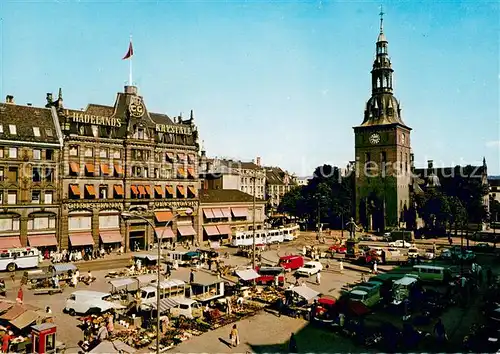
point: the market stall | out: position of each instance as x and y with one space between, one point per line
298 300
247 276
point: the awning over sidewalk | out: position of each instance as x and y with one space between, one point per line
10 242
163 216
248 274
111 236
186 230
165 231
42 240
211 230
224 229
240 212
81 239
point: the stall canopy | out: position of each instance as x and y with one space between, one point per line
111 236
14 312
306 292
149 257
211 230
10 242
25 319
146 279
165 304
42 240
115 346
125 283
81 239
186 230
4 306
247 275
63 267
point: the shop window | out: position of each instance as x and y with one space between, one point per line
48 197
35 197
42 223
9 224
37 174
103 192
12 197
13 153
81 222
73 150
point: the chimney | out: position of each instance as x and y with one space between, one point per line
430 164
257 161
9 99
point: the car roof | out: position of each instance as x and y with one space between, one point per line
90 293
185 301
358 292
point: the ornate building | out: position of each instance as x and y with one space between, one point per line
30 143
120 158
383 150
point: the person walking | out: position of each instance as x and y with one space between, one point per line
191 276
440 331
318 278
292 344
234 336
375 268
168 272
341 267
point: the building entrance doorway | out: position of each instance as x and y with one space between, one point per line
137 240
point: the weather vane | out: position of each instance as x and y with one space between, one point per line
381 18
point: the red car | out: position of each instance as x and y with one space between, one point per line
267 275
338 249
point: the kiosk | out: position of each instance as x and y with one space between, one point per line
44 338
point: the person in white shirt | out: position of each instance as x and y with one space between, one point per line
318 278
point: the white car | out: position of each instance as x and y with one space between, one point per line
412 252
429 254
400 244
310 268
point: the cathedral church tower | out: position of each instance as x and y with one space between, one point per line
382 148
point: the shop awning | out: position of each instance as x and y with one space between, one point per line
14 312
90 167
226 212
306 292
10 242
192 190
73 166
165 304
170 190
181 190
105 169
75 189
240 212
181 172
159 190
211 230
134 190
170 156
247 275
224 229
142 190
167 232
25 319
111 236
181 157
217 213
118 189
118 169
186 230
191 172
149 190
164 216
90 189
208 213
42 240
81 239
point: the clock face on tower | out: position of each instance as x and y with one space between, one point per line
374 138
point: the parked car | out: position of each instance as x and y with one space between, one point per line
429 254
466 255
400 244
291 262
413 252
484 247
268 275
366 238
310 268
338 249
446 254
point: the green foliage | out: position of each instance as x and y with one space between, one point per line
327 192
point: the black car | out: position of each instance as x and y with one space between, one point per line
483 247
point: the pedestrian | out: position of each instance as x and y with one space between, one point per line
102 334
450 240
292 344
20 295
434 248
229 306
375 270
304 251
363 279
110 326
168 272
318 278
191 276
341 266
48 310
440 331
6 341
89 277
234 336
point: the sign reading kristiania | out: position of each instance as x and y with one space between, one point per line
174 129
81 117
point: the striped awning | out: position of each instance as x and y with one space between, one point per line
165 304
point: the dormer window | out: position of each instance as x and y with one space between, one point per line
48 132
36 132
12 129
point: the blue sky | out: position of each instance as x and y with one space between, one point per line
286 81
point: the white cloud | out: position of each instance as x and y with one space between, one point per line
494 143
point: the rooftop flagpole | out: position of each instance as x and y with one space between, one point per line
128 56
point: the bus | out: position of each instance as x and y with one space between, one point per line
275 235
19 258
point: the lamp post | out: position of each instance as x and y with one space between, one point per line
253 219
127 215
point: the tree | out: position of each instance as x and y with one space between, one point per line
292 201
494 210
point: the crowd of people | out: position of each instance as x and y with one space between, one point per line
87 253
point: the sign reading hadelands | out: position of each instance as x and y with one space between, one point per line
80 117
174 129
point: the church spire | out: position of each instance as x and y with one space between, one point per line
381 19
382 70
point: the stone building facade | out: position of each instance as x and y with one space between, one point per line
30 146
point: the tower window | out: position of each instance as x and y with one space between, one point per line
368 157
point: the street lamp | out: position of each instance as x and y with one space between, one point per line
253 219
129 215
